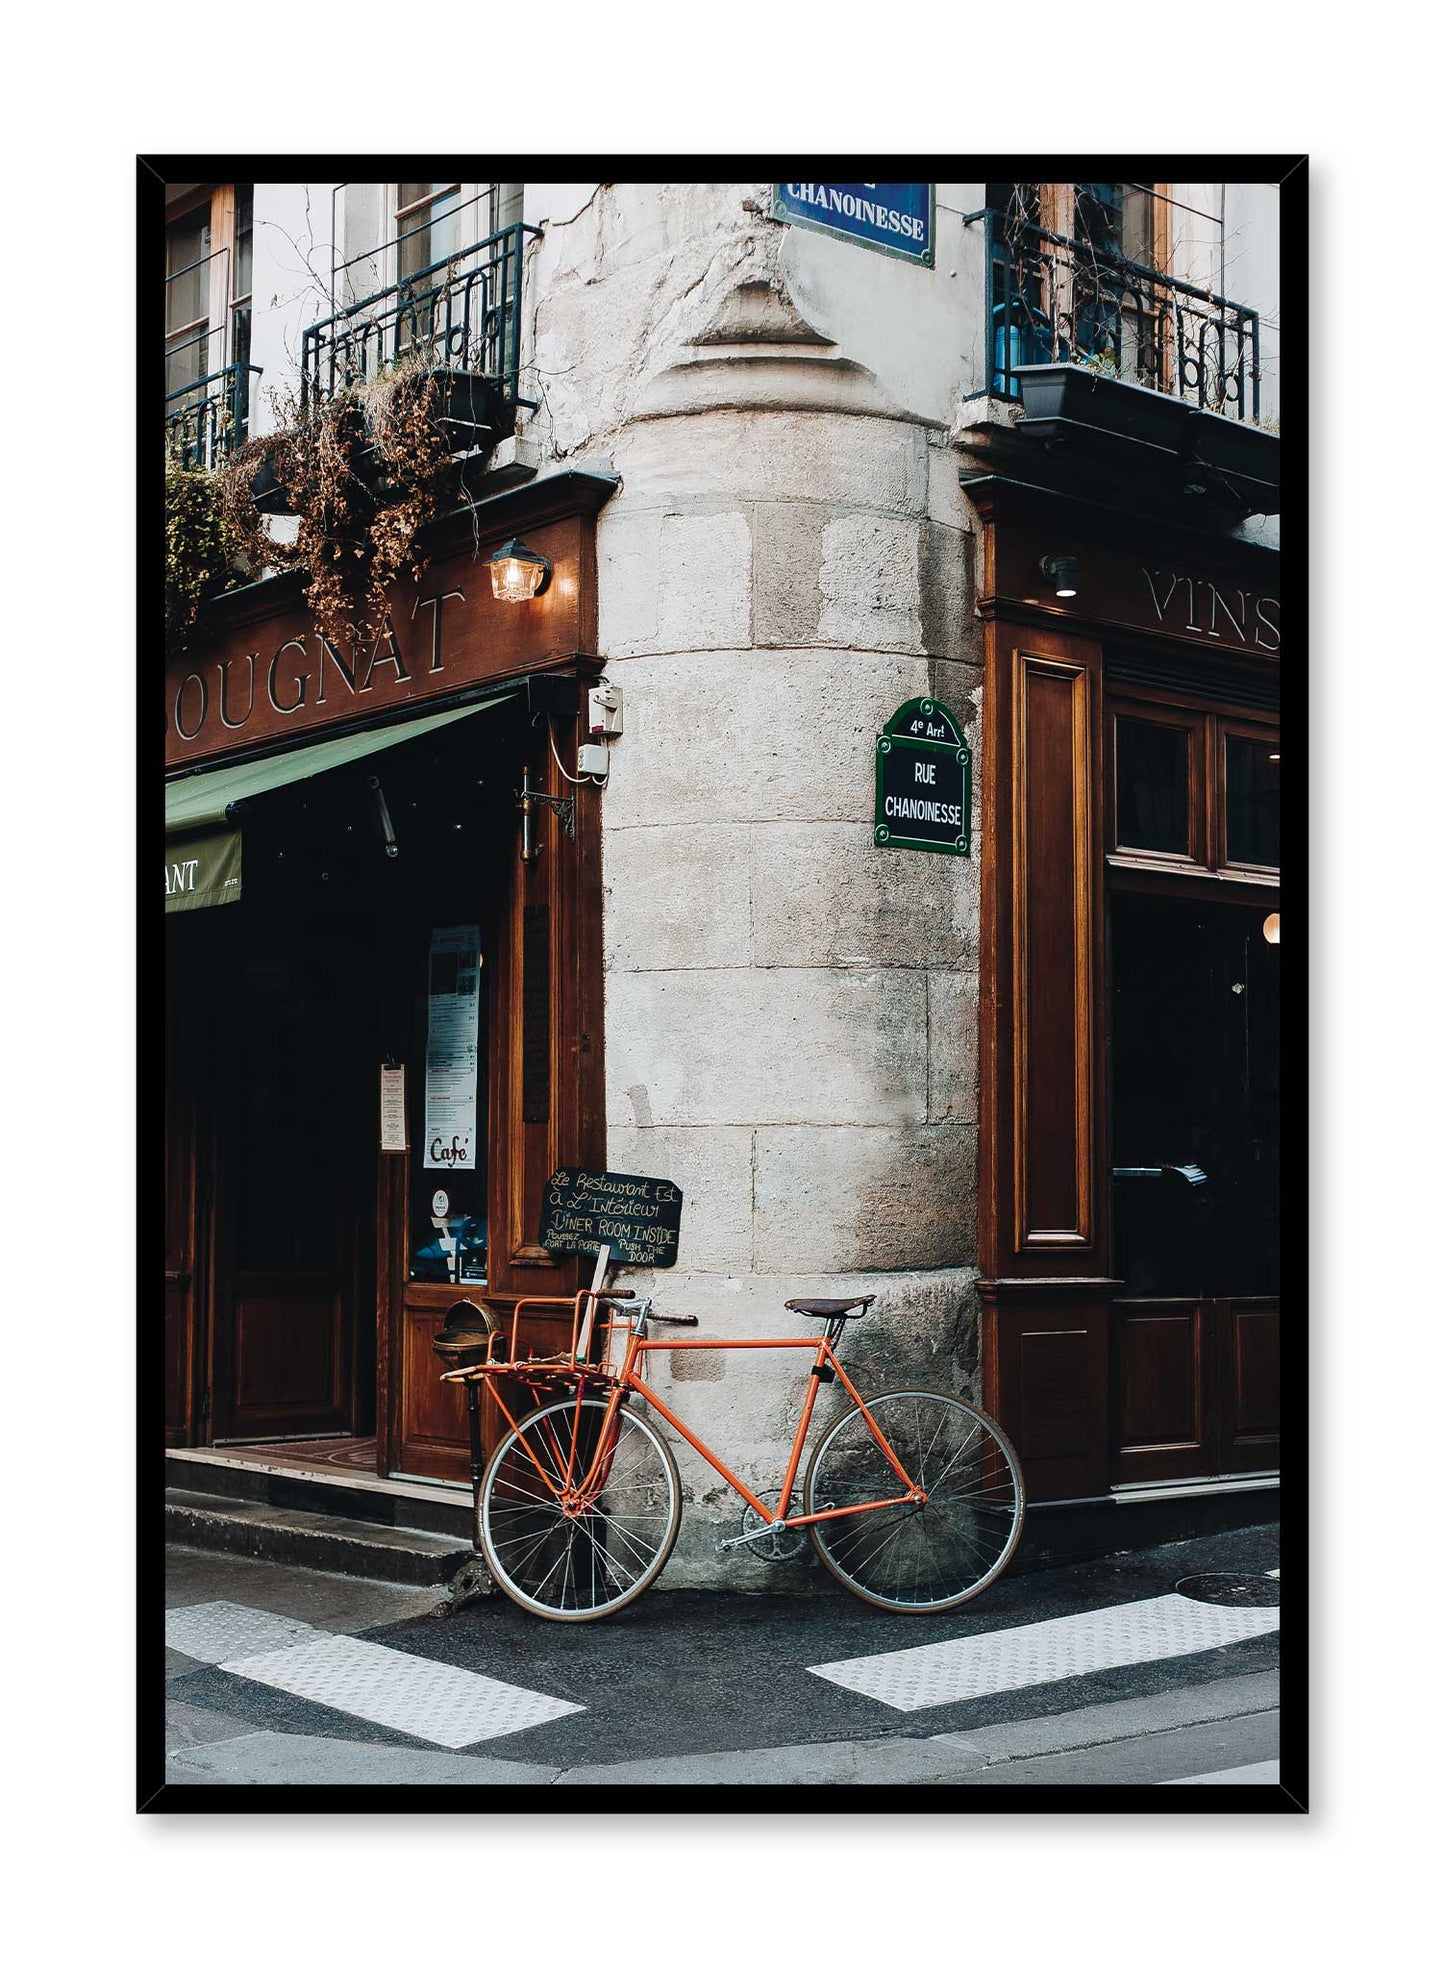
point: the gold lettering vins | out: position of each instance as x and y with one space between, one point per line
1202 608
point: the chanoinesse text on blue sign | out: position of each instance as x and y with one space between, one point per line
894 218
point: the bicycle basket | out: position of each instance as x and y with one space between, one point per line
464 1335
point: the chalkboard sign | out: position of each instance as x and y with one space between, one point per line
638 1216
923 786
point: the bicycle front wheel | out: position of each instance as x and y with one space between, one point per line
616 1541
917 1558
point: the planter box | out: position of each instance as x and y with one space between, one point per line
469 406
1136 425
1054 390
1242 452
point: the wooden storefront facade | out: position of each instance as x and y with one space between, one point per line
1129 1066
1128 1043
297 1301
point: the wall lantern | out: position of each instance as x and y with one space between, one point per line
1062 571
517 573
1271 927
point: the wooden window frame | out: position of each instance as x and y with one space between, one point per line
1258 733
1208 824
1146 712
401 217
1057 215
221 297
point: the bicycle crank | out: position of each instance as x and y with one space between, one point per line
762 1540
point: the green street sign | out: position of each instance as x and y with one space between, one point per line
923 785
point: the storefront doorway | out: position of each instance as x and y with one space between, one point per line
1130 856
297 1018
1194 1150
284 1007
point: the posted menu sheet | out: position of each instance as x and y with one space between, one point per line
451 1048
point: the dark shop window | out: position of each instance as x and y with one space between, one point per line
1251 801
1151 765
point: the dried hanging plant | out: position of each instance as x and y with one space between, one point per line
202 546
363 473
401 410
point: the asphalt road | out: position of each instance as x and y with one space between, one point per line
705 1688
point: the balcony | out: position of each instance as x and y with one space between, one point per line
462 315
1063 300
207 419
1123 362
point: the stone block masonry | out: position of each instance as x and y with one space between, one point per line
791 1012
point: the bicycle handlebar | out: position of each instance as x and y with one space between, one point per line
665 1319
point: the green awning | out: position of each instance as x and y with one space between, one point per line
201 799
203 869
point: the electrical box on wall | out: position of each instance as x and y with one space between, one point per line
604 710
592 759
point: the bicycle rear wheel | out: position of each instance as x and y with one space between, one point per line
917 1558
593 1562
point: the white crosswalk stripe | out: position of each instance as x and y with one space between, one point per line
432 1700
1265 1773
1047 1651
214 1629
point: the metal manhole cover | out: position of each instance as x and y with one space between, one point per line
1230 1589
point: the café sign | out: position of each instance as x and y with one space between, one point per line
923 781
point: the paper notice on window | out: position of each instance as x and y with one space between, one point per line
453 978
393 1110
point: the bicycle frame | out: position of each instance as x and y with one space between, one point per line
573 1493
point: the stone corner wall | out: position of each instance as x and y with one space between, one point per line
791 1011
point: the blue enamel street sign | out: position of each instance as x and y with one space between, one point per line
893 218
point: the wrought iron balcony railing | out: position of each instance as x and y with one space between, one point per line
1053 299
207 419
463 312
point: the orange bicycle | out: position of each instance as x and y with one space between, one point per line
913 1500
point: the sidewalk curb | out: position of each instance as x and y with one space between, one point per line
266 1757
957 1754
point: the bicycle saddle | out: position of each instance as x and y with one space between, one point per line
828 1309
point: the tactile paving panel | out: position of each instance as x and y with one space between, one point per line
1047 1651
427 1699
217 1628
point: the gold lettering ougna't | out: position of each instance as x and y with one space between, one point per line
235 724
436 602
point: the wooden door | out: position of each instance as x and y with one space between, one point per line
181 1231
294 1178
542 1093
1194 1073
